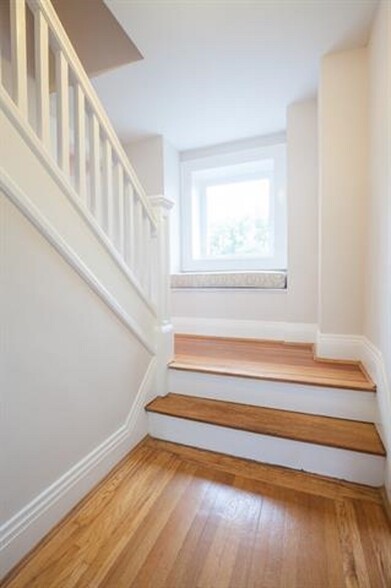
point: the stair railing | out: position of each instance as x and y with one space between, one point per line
54 96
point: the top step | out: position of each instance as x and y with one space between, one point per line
267 360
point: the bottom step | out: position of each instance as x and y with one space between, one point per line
346 463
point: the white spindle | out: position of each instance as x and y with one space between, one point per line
162 206
95 171
41 39
108 189
150 265
80 143
62 84
146 253
139 238
130 239
120 213
18 53
1 59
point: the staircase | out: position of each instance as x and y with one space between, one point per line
85 282
272 402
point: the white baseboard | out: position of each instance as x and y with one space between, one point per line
374 363
280 331
334 346
358 347
26 528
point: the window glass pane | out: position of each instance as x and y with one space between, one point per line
234 211
237 219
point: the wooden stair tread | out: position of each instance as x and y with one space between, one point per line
269 360
332 432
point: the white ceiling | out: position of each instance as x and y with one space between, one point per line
217 71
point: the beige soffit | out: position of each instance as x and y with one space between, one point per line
99 40
275 280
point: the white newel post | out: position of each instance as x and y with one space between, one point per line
165 334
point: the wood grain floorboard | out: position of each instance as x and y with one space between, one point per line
167 519
270 360
321 430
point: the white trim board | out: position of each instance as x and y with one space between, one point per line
319 459
19 534
278 331
31 212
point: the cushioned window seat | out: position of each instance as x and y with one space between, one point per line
271 280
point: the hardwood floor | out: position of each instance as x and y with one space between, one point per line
176 517
333 432
270 360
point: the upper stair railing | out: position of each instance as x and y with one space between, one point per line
44 78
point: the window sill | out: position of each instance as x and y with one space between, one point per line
261 280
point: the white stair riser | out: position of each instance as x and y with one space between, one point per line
340 403
328 461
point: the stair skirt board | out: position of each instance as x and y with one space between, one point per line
338 463
334 402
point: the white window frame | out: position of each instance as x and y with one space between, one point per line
278 261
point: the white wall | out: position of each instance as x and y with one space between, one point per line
299 302
343 190
377 326
70 375
302 182
147 158
72 369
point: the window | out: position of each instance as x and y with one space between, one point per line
234 211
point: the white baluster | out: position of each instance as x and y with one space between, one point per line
1 59
153 267
152 261
108 188
162 208
18 53
139 230
147 256
62 76
119 213
129 236
80 143
95 171
41 37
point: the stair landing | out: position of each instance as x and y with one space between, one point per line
267 360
